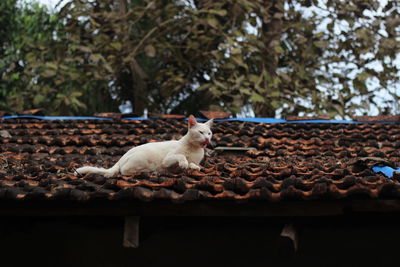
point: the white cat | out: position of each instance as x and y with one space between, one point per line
186 152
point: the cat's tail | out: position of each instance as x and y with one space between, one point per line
106 172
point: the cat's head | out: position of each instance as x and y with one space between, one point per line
199 133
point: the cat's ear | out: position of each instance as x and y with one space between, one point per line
192 121
209 123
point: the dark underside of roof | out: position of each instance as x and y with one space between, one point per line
301 162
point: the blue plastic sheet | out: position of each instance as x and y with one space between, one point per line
273 120
386 170
136 118
324 121
259 120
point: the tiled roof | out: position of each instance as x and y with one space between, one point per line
289 161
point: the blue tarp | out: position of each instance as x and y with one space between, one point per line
257 120
388 171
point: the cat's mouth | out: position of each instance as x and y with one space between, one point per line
206 142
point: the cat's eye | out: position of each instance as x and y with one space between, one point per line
201 132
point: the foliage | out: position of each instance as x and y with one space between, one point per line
8 10
279 57
25 67
351 58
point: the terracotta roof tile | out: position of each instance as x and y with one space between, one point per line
290 161
171 116
215 114
109 115
301 118
37 111
379 118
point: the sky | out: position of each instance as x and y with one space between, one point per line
50 3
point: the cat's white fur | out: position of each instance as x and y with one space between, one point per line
186 152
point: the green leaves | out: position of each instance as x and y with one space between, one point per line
116 45
38 100
150 51
48 73
92 56
65 101
213 22
256 98
321 43
359 83
220 12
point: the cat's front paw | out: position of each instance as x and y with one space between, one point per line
184 164
194 166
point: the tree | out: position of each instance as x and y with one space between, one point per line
26 68
8 13
276 57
